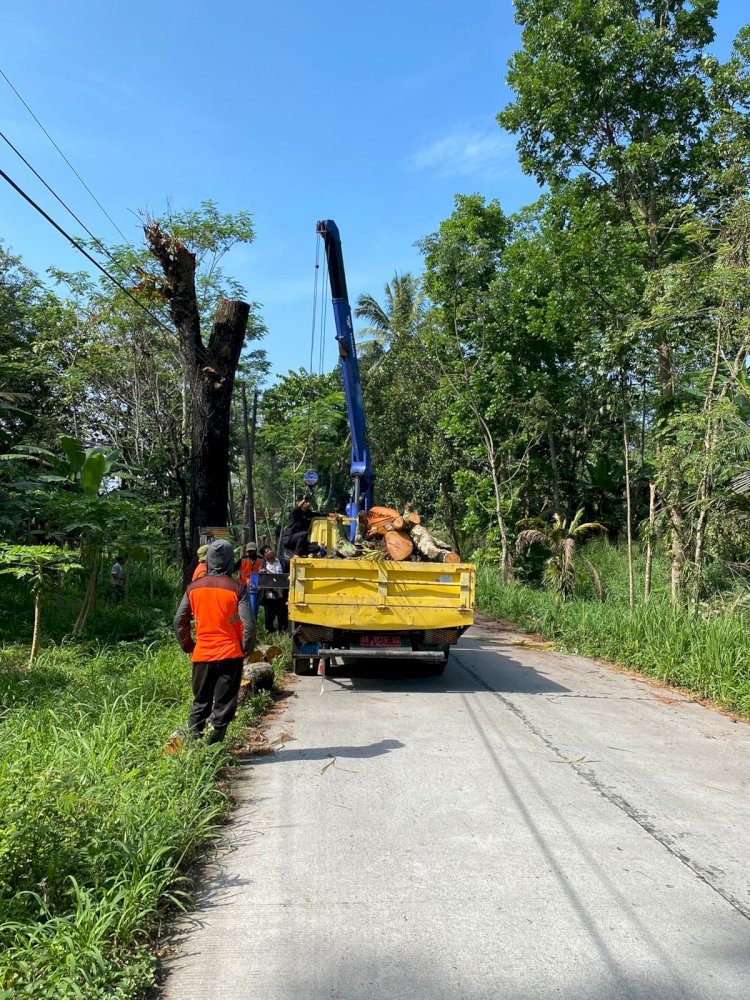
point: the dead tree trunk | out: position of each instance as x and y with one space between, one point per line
211 370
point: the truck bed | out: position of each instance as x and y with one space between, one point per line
390 596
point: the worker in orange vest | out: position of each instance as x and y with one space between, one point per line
224 633
200 570
250 566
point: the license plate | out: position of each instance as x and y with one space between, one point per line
380 641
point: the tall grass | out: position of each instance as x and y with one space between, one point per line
97 824
706 652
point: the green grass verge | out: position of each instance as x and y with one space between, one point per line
98 826
707 653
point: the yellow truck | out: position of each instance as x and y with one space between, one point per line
363 609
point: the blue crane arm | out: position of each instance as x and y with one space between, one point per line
361 463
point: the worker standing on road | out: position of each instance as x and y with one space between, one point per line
275 601
224 631
250 566
200 570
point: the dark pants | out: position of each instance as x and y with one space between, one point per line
276 614
300 545
216 687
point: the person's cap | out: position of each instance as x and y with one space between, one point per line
251 547
202 553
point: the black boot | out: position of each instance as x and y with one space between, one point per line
217 734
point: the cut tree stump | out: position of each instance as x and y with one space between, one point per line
264 652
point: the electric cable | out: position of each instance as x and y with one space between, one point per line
199 352
322 354
67 207
312 339
83 182
81 249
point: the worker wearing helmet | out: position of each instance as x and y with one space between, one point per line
224 632
200 569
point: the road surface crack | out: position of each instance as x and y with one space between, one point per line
611 796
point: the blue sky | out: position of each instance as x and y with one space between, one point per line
373 114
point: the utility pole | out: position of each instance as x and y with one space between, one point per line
250 528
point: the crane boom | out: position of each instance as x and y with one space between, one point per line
361 464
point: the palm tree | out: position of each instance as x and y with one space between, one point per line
560 539
400 317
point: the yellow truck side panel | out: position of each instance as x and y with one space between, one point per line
357 593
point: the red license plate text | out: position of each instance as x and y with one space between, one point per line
380 640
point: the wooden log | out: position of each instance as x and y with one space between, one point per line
270 653
427 547
410 518
398 545
263 652
381 516
256 677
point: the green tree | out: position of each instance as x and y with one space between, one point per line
399 318
625 92
33 564
481 362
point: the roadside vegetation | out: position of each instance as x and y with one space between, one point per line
704 650
98 826
562 392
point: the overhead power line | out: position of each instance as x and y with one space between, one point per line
83 182
200 353
67 207
82 250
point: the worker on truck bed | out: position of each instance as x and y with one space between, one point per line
224 631
297 535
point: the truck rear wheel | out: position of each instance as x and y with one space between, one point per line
438 669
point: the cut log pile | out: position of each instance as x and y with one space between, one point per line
258 672
385 534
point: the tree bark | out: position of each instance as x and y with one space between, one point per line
89 597
251 531
628 504
37 620
650 542
211 369
554 468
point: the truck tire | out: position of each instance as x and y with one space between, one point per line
438 669
304 666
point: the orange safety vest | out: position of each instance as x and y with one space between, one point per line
248 567
200 570
214 601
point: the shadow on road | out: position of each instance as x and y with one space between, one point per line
500 672
323 753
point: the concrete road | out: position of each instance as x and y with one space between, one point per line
530 825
